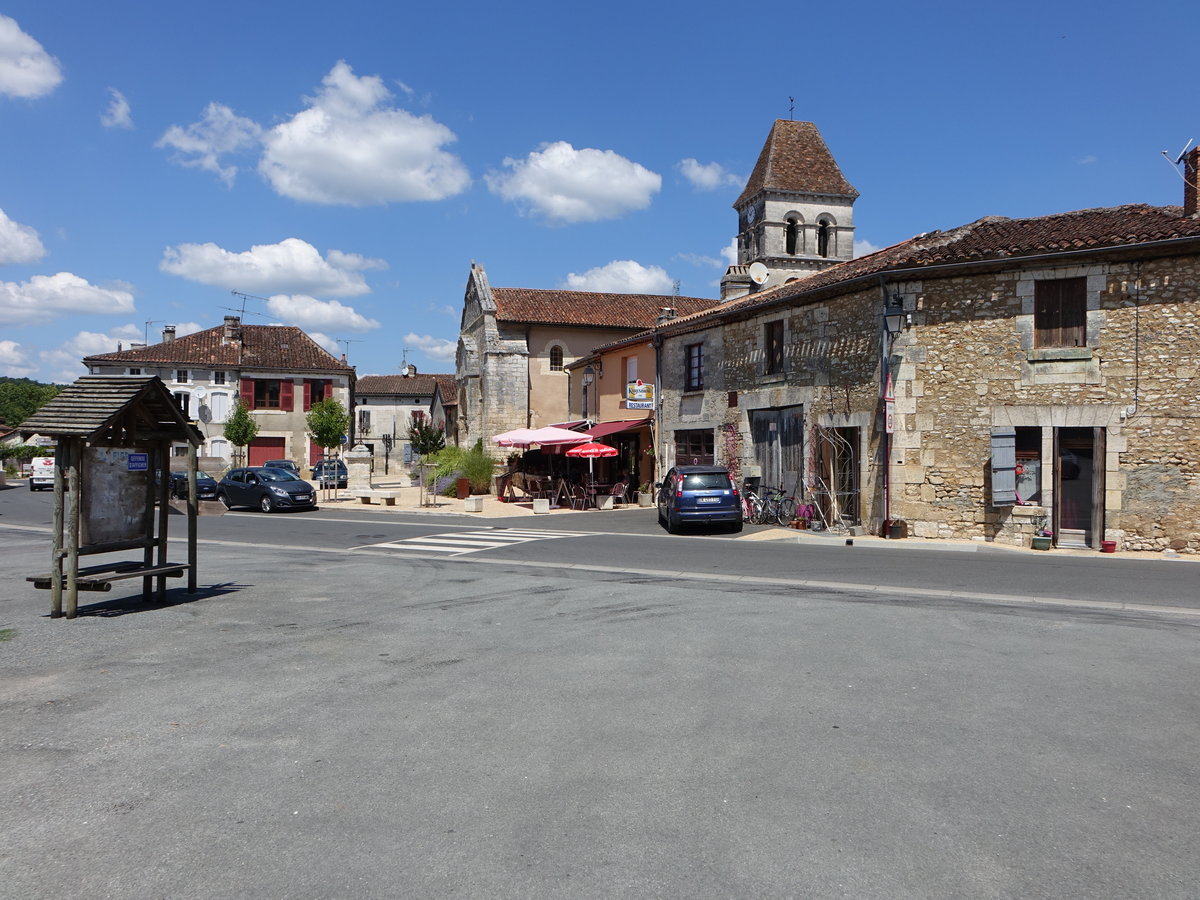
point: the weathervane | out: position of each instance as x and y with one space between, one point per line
791 108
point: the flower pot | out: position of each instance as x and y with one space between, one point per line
1041 542
1108 546
645 499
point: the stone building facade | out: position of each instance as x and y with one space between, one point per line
387 405
1045 378
515 346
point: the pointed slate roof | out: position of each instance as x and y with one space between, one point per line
795 158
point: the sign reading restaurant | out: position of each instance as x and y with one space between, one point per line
639 395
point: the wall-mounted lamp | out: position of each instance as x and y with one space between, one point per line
894 317
589 375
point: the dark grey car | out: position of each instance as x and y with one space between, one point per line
699 495
268 489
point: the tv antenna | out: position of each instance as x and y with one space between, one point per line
146 330
347 342
1178 159
243 312
246 297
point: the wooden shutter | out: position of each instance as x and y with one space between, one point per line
1004 466
287 398
247 390
307 394
1060 312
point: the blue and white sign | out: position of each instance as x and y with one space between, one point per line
139 462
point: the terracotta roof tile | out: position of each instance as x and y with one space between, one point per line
448 386
796 158
406 385
587 308
989 238
282 347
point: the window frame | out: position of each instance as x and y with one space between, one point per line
557 367
1060 312
694 367
263 385
698 444
773 341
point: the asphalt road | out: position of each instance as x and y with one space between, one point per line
381 723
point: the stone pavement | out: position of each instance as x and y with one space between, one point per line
409 499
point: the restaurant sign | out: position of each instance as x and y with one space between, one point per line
639 395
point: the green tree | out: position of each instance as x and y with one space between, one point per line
21 398
328 423
425 438
240 428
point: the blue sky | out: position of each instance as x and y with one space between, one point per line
347 162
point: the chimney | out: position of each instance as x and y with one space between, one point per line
410 370
1191 182
233 331
665 314
168 334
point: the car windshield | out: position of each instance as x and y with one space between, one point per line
277 475
706 481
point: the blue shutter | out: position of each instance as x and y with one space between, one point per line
408 453
1004 466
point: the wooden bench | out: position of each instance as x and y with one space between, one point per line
100 578
387 498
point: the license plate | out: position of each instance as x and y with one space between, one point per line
708 499
302 497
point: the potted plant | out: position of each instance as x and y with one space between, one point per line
645 494
1043 537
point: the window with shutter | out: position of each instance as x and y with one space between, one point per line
1004 466
1060 312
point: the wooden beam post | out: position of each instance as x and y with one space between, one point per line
56 550
191 518
73 455
164 511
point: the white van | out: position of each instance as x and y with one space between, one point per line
41 473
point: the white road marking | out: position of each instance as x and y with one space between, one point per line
458 543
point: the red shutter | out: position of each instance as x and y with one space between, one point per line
287 401
248 392
307 394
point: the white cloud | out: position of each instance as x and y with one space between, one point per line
568 185
201 145
729 252
310 313
1088 160
350 147
18 243
437 349
707 177
621 276
117 114
292 266
182 328
13 361
864 248
700 261
44 297
66 359
326 342
26 70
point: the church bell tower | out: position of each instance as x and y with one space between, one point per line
796 214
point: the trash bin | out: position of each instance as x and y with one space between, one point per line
464 488
896 529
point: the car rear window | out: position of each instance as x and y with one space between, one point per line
706 481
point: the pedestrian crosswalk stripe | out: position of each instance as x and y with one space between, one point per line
459 542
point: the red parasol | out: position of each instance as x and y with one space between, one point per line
591 450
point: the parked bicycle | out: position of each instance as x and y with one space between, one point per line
774 508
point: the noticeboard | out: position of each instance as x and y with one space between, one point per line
113 490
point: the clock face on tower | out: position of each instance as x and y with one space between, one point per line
752 214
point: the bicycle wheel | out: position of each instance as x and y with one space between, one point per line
786 511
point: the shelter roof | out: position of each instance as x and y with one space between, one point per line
589 308
122 408
275 347
795 158
604 429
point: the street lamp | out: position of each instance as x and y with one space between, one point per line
894 316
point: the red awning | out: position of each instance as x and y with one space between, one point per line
603 429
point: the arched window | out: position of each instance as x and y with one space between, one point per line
791 237
556 359
824 233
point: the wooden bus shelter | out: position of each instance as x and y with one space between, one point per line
113 434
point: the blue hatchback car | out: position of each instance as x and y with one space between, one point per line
699 495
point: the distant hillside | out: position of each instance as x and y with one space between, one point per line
20 398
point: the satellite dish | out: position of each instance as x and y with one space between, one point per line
759 273
199 393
